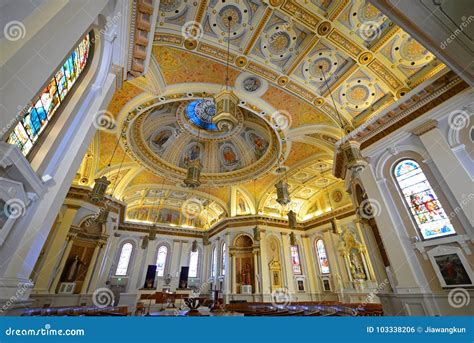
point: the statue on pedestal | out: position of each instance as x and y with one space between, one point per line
73 269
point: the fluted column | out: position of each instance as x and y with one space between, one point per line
256 289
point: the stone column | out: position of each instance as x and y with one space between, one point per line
456 176
311 260
59 269
228 286
264 271
288 267
55 251
234 273
91 269
256 271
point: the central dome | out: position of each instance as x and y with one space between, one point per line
164 138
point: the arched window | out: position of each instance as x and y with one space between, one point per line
124 259
224 259
161 260
42 108
422 201
193 263
295 260
214 262
322 257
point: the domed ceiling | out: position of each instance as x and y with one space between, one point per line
166 137
302 69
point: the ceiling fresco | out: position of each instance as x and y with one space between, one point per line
305 71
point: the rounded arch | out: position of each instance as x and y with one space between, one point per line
399 199
163 262
122 262
242 240
320 250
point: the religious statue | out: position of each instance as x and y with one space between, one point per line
73 269
246 275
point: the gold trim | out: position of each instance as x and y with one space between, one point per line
311 44
282 80
365 57
258 30
190 44
201 10
324 28
241 61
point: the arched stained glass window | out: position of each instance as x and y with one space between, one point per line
422 201
193 263
42 108
322 257
295 260
161 260
214 262
124 259
224 258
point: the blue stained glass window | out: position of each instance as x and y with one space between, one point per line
200 113
45 104
422 201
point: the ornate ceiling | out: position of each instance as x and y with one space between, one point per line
290 61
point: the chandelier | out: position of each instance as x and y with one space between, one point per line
226 101
100 188
193 174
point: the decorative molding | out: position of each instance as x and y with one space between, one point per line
425 127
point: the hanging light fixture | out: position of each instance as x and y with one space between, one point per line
193 174
226 101
194 246
100 188
293 239
194 167
292 222
102 183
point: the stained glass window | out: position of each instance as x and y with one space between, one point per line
422 201
224 259
124 259
322 257
200 113
214 262
295 259
193 263
43 106
161 260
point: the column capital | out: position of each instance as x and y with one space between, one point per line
425 127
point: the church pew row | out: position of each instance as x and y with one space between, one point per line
323 308
77 311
